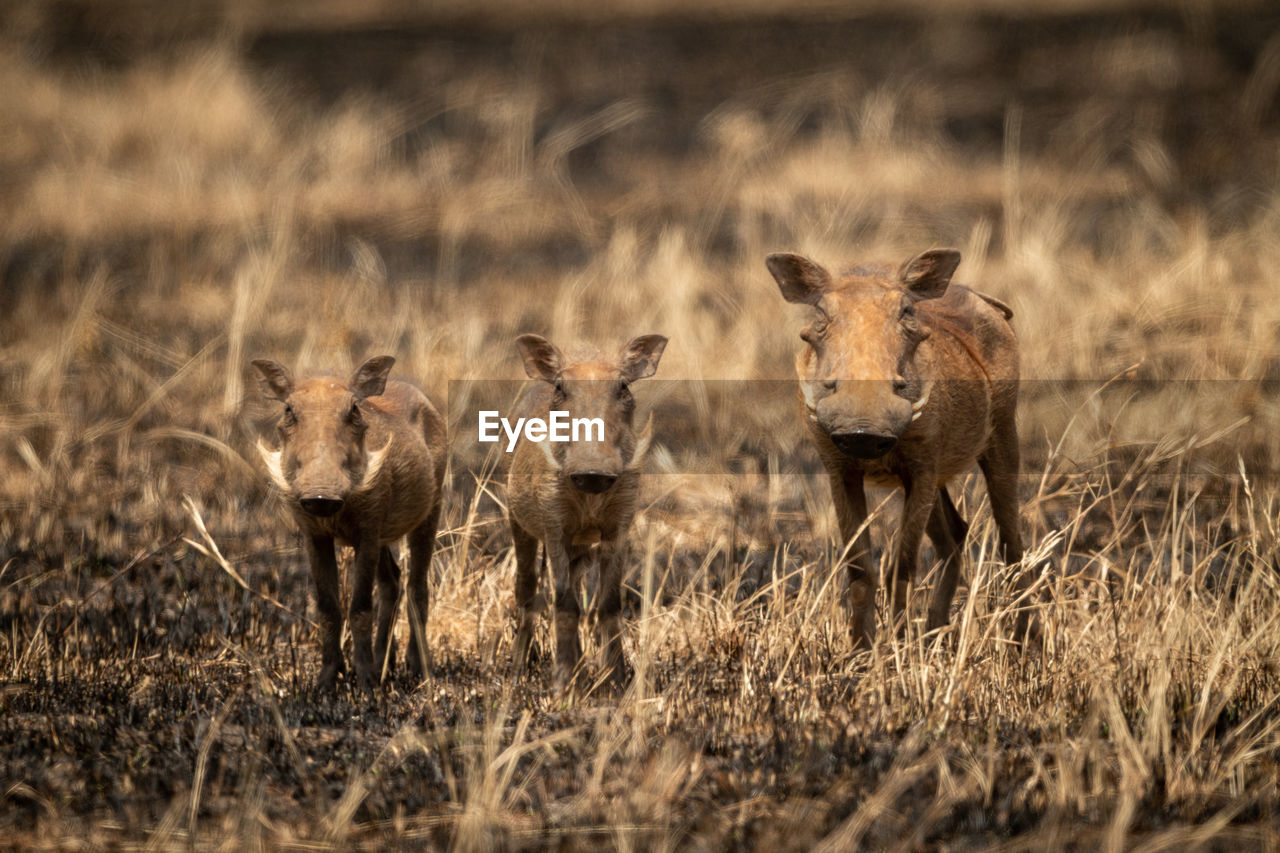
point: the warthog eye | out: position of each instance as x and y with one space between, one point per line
624 393
911 323
289 418
558 386
814 332
354 417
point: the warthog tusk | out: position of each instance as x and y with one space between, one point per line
642 444
374 465
545 447
808 400
917 408
271 458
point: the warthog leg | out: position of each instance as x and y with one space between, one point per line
568 612
388 597
1000 467
947 530
324 572
921 489
851 514
526 549
422 541
360 614
609 608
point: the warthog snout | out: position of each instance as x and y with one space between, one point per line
863 418
864 444
321 505
593 482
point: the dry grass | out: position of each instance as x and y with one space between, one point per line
176 211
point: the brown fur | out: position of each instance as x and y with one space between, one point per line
576 527
934 368
378 447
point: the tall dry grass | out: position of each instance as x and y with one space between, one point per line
186 212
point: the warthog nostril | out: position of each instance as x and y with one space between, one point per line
861 444
321 506
592 482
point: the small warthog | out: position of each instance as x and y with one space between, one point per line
908 381
577 497
361 462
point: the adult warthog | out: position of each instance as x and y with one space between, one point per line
908 380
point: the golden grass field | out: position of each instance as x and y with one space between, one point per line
185 193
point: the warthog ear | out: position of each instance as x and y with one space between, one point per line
371 379
541 358
799 279
640 357
274 379
927 275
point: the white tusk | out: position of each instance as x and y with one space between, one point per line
373 466
917 408
642 444
918 405
808 399
271 458
545 447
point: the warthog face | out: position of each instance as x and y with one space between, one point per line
322 458
859 374
594 390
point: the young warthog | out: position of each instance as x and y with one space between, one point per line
577 497
361 462
908 381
